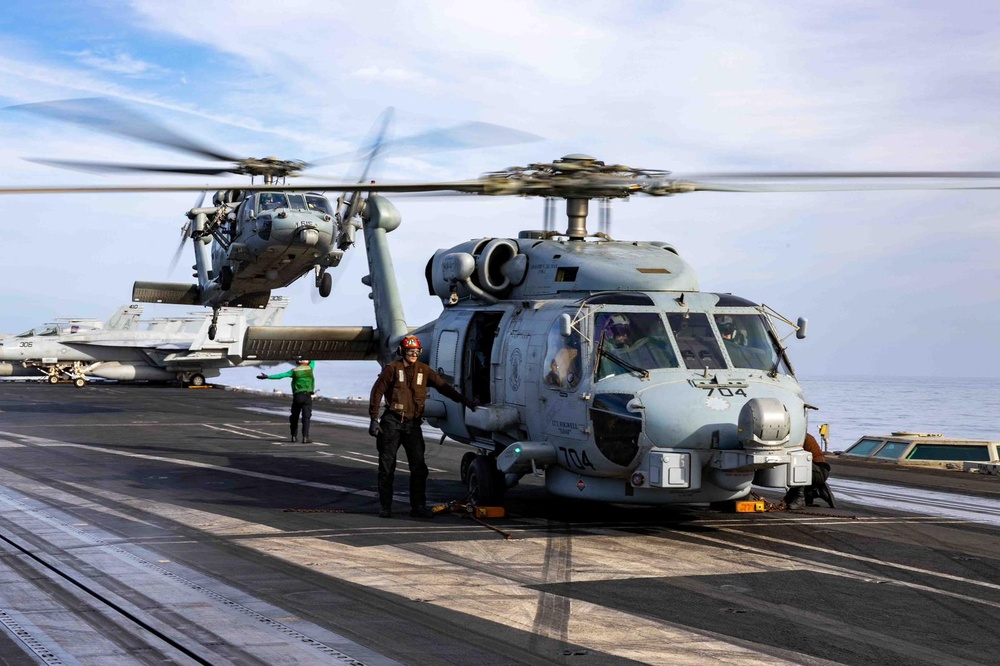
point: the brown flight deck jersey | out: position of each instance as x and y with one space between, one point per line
812 447
405 389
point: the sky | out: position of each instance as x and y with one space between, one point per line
898 283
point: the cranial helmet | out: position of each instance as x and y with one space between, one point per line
726 325
409 342
617 325
302 360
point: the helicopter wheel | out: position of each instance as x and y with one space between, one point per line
79 382
226 278
197 379
53 379
485 483
212 330
463 468
325 285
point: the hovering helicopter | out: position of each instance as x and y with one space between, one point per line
597 364
250 241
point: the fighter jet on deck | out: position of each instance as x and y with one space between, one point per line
127 348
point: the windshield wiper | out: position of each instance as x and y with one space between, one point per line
601 352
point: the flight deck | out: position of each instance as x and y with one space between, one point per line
144 525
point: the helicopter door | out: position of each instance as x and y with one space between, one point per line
565 414
478 356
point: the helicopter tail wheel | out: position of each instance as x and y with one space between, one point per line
212 330
226 278
53 379
79 382
484 482
325 284
197 379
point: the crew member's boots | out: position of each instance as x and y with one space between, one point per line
294 438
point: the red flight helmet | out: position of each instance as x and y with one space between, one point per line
409 342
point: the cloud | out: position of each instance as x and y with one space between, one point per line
119 63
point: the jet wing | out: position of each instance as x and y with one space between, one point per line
320 343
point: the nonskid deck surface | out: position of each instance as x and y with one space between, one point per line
179 525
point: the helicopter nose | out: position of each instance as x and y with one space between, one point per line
678 414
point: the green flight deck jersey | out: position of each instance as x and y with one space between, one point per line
302 377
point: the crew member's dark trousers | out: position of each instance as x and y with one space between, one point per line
301 403
396 433
821 472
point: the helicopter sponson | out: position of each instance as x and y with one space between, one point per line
601 365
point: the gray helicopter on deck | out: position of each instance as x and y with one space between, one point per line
597 364
254 239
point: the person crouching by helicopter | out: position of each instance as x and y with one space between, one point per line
820 473
303 387
404 384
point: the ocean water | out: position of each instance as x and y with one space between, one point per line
852 406
877 405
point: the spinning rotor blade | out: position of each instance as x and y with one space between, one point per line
185 234
371 152
110 167
458 137
838 181
107 115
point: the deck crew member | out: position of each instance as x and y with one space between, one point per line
404 384
303 387
820 473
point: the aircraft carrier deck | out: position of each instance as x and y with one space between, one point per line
145 525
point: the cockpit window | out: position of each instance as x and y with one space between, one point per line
318 204
296 201
696 340
272 200
563 359
48 329
637 338
747 342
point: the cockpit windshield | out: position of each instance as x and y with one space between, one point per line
318 204
48 329
748 343
696 340
632 340
272 200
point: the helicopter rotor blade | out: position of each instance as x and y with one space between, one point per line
833 182
185 234
457 137
110 167
112 117
370 153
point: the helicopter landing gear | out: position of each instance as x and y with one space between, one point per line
197 379
79 382
324 282
485 482
463 468
53 379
